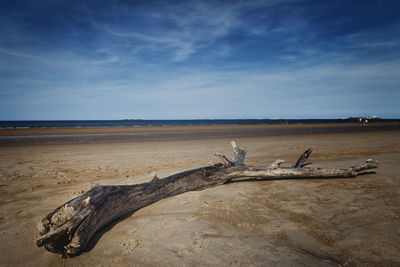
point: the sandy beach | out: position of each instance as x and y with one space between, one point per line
265 223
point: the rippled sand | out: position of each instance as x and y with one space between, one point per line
302 222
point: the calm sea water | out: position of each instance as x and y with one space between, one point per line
152 135
127 123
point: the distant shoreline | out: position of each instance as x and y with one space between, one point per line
44 124
54 136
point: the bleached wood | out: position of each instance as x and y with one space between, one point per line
68 229
276 164
239 154
300 162
227 162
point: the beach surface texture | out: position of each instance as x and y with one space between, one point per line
312 222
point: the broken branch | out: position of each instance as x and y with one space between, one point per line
68 229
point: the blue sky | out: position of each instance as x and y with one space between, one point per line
64 59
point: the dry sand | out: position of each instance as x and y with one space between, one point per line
264 223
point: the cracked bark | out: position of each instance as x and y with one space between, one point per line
68 229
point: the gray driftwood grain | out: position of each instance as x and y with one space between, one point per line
68 229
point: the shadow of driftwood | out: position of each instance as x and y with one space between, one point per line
97 236
285 178
365 173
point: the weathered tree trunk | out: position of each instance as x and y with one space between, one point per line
68 229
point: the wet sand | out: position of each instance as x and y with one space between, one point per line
43 136
265 223
99 130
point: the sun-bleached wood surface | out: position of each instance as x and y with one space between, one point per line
68 229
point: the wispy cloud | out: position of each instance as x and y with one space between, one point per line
172 59
27 56
192 27
187 28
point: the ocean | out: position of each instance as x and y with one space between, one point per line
138 123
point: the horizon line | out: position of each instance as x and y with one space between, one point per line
220 119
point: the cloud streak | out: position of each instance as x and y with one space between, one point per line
165 60
192 27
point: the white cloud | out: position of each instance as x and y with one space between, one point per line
192 26
319 90
31 57
141 64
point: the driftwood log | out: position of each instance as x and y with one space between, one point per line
68 229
